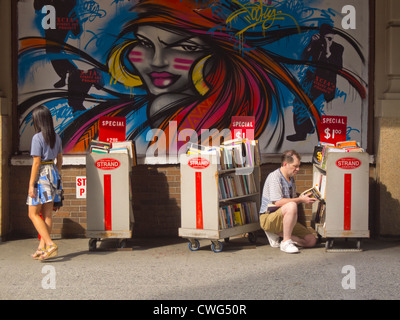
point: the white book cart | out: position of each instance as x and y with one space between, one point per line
109 199
344 184
204 199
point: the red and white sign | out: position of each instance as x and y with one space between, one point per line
198 163
243 127
112 129
107 164
80 187
348 163
333 129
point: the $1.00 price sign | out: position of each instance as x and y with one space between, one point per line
333 129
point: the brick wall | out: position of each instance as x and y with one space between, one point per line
69 221
156 200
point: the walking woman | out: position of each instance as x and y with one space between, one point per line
45 180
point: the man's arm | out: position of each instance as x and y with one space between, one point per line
301 199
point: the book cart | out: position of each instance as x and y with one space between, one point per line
343 181
219 201
109 199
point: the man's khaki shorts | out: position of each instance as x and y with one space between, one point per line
273 222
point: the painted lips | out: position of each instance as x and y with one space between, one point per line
162 79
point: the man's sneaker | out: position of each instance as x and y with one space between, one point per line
289 247
273 239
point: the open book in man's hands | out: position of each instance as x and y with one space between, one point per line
314 193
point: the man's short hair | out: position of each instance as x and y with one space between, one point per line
288 155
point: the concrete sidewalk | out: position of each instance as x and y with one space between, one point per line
165 268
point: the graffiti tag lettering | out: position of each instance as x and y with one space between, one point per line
258 14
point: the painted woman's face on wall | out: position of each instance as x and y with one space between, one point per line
164 59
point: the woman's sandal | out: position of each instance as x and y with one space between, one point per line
38 253
51 251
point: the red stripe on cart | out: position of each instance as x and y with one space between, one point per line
347 202
199 201
107 202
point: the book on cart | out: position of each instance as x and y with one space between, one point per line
98 146
237 214
239 153
347 144
125 147
220 192
322 150
194 148
343 182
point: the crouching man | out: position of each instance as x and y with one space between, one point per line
279 207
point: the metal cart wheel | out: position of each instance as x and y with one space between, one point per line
216 246
328 244
194 245
122 243
358 244
252 237
92 244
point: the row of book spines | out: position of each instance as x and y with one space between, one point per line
320 213
234 154
240 154
237 214
231 186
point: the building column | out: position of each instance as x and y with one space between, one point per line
387 116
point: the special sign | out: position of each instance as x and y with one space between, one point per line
243 127
333 129
112 129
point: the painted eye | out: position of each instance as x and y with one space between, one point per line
190 48
144 42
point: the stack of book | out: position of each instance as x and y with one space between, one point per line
194 148
127 147
322 150
237 214
232 154
97 146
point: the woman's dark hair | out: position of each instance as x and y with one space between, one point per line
43 122
288 155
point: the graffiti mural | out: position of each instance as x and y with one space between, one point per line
179 68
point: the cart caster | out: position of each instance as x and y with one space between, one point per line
122 243
359 244
252 237
92 244
194 245
216 246
328 244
